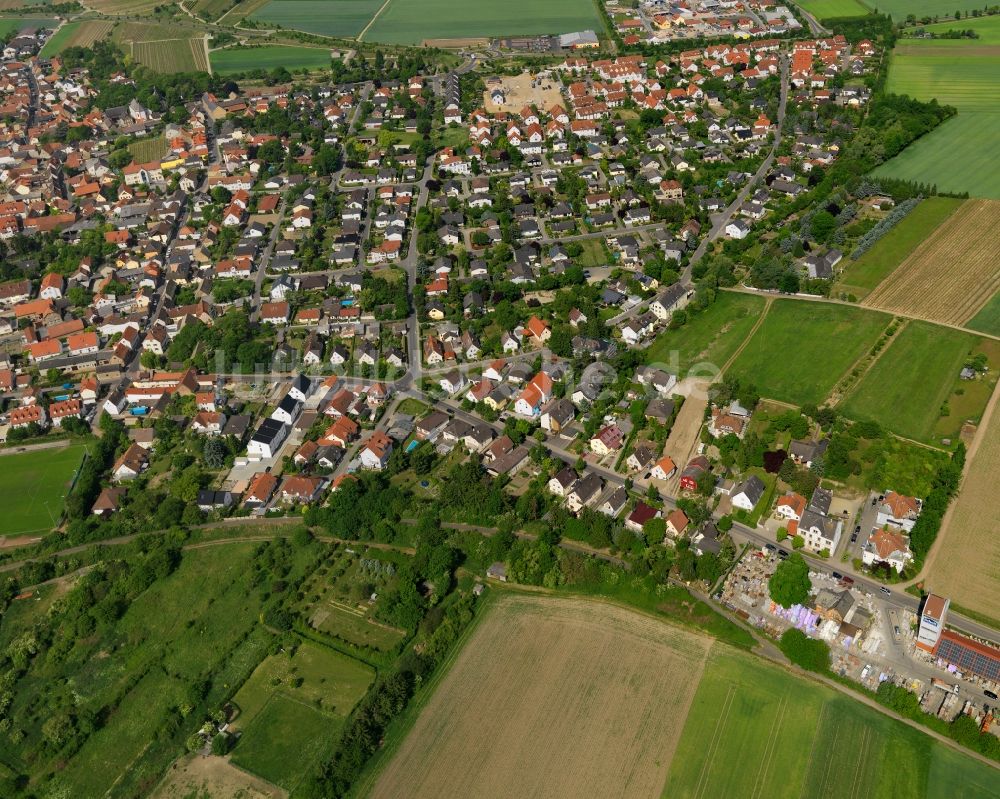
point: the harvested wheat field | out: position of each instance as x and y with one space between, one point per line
553 697
966 562
952 274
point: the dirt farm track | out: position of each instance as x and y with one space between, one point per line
553 697
952 274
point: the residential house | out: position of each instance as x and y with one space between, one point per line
748 493
889 545
898 510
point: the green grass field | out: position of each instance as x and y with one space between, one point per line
285 740
754 730
900 9
863 275
202 620
907 386
325 17
245 59
10 25
330 681
988 29
289 725
803 348
988 319
33 485
958 73
956 156
357 629
710 337
412 21
825 9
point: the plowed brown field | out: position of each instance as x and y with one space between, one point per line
966 563
952 274
553 697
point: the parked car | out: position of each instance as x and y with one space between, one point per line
991 695
838 576
854 538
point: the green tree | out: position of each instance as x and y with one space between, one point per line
790 584
809 653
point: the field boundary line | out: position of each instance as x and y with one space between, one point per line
768 302
863 758
401 726
812 751
768 757
833 301
970 457
371 22
872 359
703 776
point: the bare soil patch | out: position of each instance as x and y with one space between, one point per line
456 44
553 697
683 438
197 776
952 274
519 92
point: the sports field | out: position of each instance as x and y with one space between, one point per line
915 376
77 34
326 17
951 275
245 59
861 276
802 348
33 485
552 697
956 156
966 563
709 339
560 697
825 9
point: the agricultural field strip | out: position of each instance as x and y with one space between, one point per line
769 749
571 646
828 761
713 745
917 288
970 572
865 273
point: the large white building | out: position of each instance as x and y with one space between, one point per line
932 621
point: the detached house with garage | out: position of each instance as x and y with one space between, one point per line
887 545
898 510
375 452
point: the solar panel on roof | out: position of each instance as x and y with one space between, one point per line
969 659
